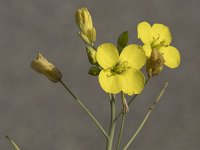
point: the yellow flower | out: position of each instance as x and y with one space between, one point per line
158 37
43 66
121 72
84 21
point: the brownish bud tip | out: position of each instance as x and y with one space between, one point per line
155 63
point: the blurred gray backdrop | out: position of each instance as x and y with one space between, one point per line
40 115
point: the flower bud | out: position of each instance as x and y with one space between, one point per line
84 22
91 53
94 71
43 66
155 63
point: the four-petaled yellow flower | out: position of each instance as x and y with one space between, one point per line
43 66
84 22
121 72
158 37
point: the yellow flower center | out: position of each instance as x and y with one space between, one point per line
120 67
157 43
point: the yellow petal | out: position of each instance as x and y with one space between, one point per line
132 81
147 50
134 55
171 55
145 32
109 83
107 55
163 33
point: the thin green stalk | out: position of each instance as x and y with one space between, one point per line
125 110
131 101
112 123
121 131
147 116
15 146
86 110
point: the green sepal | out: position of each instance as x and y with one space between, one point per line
91 53
85 39
122 40
94 71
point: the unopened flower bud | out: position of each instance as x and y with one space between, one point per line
94 71
43 66
155 63
91 53
84 22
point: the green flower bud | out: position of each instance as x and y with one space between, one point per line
91 53
94 71
85 24
93 34
85 38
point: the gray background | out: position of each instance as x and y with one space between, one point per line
40 115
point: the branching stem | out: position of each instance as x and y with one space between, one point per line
86 110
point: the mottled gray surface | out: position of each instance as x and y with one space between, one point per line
40 115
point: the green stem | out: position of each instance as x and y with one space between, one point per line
15 146
146 117
86 110
125 110
132 100
112 123
121 131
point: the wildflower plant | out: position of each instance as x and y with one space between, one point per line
118 68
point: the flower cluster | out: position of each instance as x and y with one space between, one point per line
118 67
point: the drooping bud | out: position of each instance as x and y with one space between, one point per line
43 66
84 22
155 63
91 53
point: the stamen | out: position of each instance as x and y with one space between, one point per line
157 44
126 63
110 73
120 67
